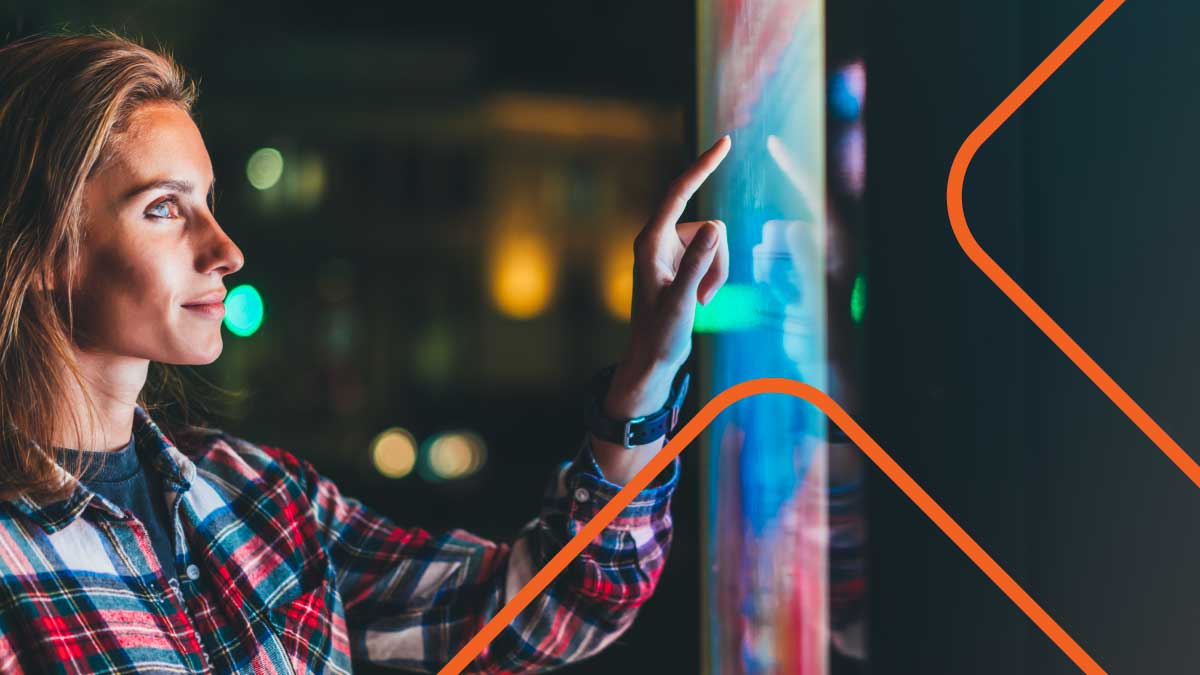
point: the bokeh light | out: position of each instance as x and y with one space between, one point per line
243 310
264 168
453 455
847 89
522 277
435 353
858 299
394 452
851 148
307 186
617 280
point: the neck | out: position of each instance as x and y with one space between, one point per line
113 384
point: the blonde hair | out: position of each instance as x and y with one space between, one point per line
65 101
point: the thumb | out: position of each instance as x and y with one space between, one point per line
695 262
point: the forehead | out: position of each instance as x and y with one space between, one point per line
161 141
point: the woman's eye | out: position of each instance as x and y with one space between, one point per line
168 208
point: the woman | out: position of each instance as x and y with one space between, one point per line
134 546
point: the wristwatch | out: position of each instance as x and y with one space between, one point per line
638 430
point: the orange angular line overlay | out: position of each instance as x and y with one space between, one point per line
773 385
778 385
984 262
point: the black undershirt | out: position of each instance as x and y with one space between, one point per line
132 484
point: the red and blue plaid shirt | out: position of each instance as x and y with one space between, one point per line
278 572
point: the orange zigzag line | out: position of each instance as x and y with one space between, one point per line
984 262
776 385
773 385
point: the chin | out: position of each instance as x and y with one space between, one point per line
200 358
215 354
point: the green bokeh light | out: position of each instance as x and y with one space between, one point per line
264 168
858 299
243 310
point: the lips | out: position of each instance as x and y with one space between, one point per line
211 298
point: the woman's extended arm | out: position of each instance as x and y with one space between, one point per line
412 599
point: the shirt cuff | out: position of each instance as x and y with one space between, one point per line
583 483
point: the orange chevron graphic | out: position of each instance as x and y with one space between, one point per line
773 385
898 475
984 262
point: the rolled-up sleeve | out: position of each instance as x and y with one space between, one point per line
412 599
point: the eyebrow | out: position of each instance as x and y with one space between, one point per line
176 184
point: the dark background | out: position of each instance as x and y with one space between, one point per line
1083 197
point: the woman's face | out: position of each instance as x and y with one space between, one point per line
152 247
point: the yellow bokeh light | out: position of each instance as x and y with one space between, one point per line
617 281
394 452
456 455
522 276
310 181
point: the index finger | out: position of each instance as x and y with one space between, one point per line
686 185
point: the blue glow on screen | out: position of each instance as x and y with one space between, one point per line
763 81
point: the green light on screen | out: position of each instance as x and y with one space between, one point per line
734 307
858 299
243 310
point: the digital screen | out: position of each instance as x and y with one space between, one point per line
785 579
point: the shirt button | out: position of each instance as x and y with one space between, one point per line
582 495
193 572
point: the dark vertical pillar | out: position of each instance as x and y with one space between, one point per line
945 360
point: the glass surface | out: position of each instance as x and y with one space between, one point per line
784 578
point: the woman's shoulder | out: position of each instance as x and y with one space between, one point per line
218 450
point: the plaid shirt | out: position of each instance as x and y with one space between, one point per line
278 572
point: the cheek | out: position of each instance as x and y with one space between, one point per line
122 288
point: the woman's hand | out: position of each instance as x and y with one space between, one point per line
675 266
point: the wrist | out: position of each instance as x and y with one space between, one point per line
636 391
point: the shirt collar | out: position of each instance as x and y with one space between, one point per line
160 452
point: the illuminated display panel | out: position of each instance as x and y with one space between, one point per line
784 574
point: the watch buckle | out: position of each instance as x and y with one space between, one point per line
628 433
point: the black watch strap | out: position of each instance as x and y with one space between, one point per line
638 430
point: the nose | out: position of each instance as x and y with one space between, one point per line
218 252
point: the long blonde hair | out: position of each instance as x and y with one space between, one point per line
65 101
